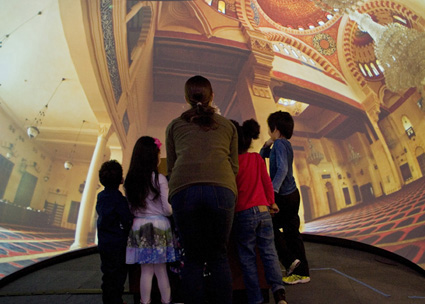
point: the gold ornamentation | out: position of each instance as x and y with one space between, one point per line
262 46
333 6
259 91
324 44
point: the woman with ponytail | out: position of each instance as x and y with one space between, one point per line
202 162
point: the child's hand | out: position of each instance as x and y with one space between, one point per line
274 209
268 143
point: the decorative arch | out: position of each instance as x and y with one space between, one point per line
309 51
181 13
407 126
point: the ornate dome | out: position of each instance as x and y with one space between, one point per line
294 14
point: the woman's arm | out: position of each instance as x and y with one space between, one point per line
170 148
234 159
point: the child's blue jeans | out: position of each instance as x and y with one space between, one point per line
253 229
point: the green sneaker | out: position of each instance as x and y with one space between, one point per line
295 279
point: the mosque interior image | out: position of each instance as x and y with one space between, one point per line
81 81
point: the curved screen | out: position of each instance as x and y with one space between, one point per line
359 161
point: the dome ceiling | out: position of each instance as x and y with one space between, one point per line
294 14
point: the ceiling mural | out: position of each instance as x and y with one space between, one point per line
297 15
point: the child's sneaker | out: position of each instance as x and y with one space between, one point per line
279 296
294 265
295 279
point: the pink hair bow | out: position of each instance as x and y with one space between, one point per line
158 143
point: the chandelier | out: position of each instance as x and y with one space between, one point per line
314 157
68 163
399 50
33 130
353 156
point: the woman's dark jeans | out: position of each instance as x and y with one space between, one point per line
203 215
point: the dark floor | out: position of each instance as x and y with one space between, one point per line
338 275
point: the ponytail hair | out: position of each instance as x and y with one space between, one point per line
199 93
249 130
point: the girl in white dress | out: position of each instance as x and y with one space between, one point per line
151 242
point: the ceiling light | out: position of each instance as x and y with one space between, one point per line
68 164
32 130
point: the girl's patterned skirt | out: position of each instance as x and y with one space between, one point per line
151 241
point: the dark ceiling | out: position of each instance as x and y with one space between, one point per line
176 60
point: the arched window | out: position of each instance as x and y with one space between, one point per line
374 69
407 125
362 69
222 7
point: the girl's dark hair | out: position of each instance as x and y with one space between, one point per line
249 130
199 93
282 121
138 182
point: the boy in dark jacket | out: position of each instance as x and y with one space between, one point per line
113 225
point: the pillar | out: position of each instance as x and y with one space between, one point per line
372 108
88 199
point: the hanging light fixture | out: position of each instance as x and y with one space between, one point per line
33 130
7 36
68 164
49 171
400 50
314 157
353 156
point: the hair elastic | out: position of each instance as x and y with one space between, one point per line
199 103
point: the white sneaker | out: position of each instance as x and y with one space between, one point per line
291 268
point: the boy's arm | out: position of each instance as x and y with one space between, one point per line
281 165
126 217
265 150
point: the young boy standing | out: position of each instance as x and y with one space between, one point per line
113 225
289 243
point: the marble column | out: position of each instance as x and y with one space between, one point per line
88 199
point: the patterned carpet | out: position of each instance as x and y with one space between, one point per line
395 222
22 246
